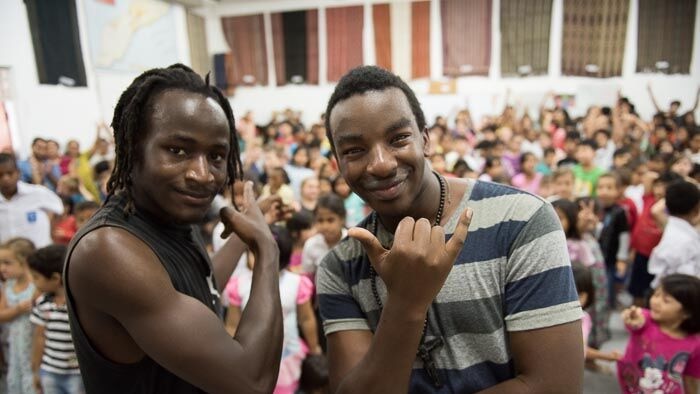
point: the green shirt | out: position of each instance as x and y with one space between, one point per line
585 181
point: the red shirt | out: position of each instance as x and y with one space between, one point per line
64 230
646 234
630 210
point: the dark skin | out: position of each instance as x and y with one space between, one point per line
382 157
127 304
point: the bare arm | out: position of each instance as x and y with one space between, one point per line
37 347
537 353
9 313
131 286
653 100
225 260
233 317
309 328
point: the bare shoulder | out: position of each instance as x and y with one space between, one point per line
111 270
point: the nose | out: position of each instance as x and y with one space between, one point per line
382 162
198 170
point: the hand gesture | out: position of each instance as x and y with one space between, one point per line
633 317
587 218
419 261
248 223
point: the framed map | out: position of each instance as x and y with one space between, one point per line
131 35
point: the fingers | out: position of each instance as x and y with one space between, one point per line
370 243
421 232
454 245
248 194
227 214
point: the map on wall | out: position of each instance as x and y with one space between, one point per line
131 35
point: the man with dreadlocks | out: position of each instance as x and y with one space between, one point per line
143 296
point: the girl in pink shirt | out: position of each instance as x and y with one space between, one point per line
663 352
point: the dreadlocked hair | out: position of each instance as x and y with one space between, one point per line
130 117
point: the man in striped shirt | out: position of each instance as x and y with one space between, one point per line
54 362
409 302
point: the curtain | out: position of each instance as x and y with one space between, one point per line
295 45
594 37
466 36
344 35
245 36
197 35
420 26
665 34
525 36
381 15
220 74
56 41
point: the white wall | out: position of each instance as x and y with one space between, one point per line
483 95
55 111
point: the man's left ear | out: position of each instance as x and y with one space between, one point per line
426 141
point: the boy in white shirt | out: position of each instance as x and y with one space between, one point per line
679 249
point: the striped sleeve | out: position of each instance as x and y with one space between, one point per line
540 290
339 310
38 316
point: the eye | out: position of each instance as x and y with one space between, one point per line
352 152
216 157
400 138
178 151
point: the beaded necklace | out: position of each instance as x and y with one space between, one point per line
425 349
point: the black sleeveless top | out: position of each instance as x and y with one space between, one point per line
180 249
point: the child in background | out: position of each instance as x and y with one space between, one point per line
586 173
614 236
354 205
679 249
581 253
663 352
330 224
300 227
630 207
563 185
295 293
646 234
584 288
15 307
54 362
527 179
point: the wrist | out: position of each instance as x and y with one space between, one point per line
406 311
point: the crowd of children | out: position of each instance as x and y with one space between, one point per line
625 190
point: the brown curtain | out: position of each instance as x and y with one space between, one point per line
665 33
466 36
312 46
525 36
420 30
245 36
199 55
278 47
344 34
594 36
382 34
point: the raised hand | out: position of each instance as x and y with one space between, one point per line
248 223
633 317
416 266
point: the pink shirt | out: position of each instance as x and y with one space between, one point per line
529 185
654 362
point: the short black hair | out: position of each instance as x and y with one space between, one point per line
129 122
682 197
584 282
300 221
590 143
37 140
8 158
331 202
676 103
48 260
686 290
365 78
621 151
